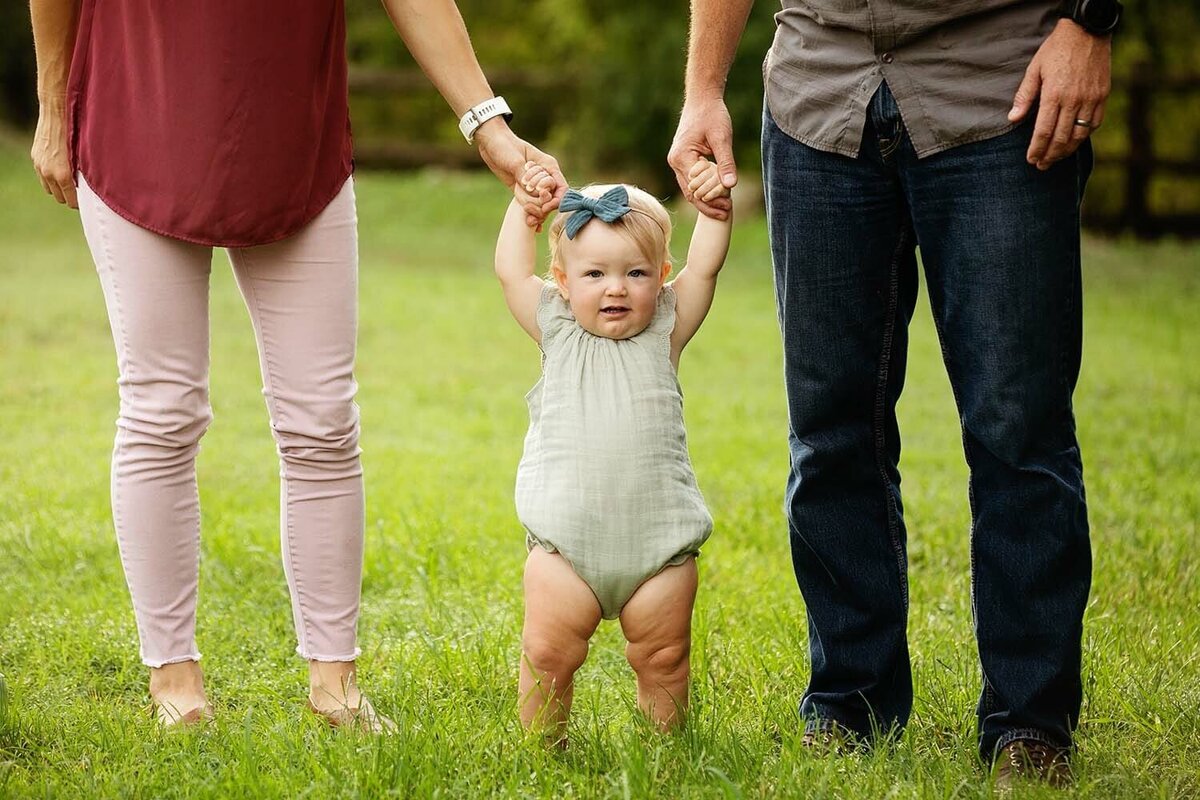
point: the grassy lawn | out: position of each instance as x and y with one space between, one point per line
443 371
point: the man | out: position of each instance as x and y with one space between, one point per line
962 128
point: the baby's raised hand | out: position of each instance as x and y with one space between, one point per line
704 181
537 181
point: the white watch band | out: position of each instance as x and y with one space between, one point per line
479 114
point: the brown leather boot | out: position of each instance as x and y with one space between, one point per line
1029 759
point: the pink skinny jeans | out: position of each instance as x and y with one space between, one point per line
302 297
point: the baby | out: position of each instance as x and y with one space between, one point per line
605 488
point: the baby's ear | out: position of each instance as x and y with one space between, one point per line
666 270
560 278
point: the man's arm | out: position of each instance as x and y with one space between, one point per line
705 128
1069 77
435 34
54 25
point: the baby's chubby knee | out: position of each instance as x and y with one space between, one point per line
659 660
553 652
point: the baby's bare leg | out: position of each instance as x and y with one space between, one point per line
657 621
561 614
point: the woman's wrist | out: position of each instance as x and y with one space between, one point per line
52 100
491 130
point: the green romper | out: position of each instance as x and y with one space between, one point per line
605 479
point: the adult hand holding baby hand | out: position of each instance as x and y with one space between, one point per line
704 182
705 129
538 183
507 155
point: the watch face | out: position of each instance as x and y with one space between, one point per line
1098 14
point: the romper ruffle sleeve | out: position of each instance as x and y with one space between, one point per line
553 313
663 322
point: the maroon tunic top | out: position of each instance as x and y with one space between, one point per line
221 122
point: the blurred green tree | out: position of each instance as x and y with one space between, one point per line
611 78
600 83
18 69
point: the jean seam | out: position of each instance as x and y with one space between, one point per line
1073 290
269 384
893 146
879 409
986 689
898 131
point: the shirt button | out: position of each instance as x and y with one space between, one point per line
887 58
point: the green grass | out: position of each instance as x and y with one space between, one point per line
443 371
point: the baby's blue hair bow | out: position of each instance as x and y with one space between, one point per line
610 207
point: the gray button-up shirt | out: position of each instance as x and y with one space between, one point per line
953 66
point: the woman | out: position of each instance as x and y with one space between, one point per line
177 127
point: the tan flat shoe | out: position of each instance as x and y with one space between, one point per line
169 717
364 719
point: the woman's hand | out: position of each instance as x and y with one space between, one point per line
51 158
508 156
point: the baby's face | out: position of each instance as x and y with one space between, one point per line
611 288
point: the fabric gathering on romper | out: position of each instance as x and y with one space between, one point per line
605 479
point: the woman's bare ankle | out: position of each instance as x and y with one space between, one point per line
179 685
333 685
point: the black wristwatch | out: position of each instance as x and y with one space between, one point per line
1094 16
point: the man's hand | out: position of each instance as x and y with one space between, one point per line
1070 75
705 129
51 159
507 155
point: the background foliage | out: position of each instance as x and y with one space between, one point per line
603 83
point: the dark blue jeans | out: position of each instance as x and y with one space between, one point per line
999 243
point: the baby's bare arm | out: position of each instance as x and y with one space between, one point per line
697 282
516 256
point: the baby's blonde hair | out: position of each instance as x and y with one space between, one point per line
647 225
